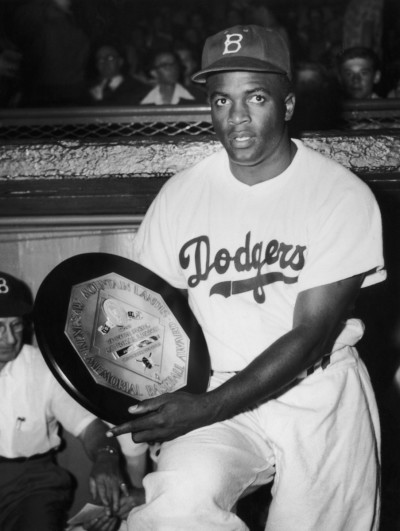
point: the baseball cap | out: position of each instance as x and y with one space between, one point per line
247 48
15 297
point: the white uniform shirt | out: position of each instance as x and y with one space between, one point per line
32 404
245 252
154 96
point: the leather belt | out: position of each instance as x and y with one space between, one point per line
321 364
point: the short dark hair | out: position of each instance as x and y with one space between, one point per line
154 54
358 52
115 46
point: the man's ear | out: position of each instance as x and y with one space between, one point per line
377 77
290 102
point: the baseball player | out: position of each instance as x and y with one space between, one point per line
272 242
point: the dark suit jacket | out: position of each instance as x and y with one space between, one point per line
129 92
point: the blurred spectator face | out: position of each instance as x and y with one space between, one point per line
108 62
11 338
166 69
358 78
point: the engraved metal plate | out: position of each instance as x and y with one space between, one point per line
127 337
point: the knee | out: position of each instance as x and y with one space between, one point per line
179 488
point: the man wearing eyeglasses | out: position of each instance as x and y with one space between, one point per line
113 87
35 492
166 70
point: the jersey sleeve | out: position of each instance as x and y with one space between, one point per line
345 239
154 247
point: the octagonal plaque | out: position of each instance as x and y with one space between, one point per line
114 333
127 337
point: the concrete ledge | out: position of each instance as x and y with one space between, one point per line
121 177
149 157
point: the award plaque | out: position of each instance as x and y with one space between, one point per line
113 333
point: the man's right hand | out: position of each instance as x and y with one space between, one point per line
112 522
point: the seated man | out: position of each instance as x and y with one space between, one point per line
272 242
358 70
113 87
35 492
168 91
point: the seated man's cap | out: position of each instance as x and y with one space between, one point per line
245 48
15 297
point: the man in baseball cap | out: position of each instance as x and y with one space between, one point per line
245 48
272 242
35 493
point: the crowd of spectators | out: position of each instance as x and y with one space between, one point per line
126 52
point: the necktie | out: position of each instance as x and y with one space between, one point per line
107 90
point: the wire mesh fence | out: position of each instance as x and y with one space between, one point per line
170 121
103 123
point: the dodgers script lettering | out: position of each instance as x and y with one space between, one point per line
196 254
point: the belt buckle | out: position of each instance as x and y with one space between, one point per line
323 364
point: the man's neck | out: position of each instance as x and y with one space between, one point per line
266 170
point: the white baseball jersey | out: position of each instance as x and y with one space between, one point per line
245 252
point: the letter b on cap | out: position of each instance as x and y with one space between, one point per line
3 286
232 43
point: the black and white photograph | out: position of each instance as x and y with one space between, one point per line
199 265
